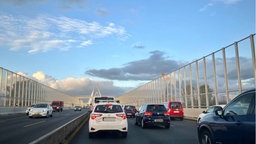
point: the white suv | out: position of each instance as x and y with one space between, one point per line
108 117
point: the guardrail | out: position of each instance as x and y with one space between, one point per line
61 134
14 110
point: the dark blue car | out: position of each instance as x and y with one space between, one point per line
152 115
234 124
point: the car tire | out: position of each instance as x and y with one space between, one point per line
206 138
47 115
142 124
136 122
167 126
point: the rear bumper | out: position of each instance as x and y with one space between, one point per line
154 122
95 127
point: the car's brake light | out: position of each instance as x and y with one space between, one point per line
148 113
108 105
94 116
166 114
123 116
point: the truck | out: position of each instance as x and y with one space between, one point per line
57 105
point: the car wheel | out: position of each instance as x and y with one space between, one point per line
167 126
136 122
143 125
206 138
181 118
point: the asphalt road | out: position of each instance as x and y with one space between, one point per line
180 132
20 129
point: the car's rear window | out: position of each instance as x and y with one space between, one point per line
129 107
40 106
108 108
175 105
153 108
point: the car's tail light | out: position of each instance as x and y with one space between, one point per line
123 116
166 114
148 113
94 116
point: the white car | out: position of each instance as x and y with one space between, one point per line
41 110
210 109
30 107
108 117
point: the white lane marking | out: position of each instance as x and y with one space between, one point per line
34 124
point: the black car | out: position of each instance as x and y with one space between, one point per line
234 124
152 115
77 108
130 110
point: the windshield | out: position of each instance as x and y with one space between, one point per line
97 99
153 108
175 105
41 106
108 108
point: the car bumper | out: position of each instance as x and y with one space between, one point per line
156 122
37 114
95 127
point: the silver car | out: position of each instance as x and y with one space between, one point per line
210 109
28 109
41 110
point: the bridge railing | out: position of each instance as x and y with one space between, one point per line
211 80
18 92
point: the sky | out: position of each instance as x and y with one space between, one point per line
116 46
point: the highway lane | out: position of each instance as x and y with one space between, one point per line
20 129
180 132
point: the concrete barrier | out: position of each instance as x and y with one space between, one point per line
192 113
12 110
61 134
15 110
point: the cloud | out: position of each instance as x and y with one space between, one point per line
205 7
43 34
138 45
102 12
214 2
77 86
227 1
146 69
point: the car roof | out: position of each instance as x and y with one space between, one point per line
154 104
105 103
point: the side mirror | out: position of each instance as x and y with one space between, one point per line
204 112
219 112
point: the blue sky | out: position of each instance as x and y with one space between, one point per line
74 45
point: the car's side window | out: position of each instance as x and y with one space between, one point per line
240 106
140 109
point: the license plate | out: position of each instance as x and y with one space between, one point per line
108 119
176 111
159 120
129 113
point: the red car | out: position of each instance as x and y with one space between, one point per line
175 109
130 110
